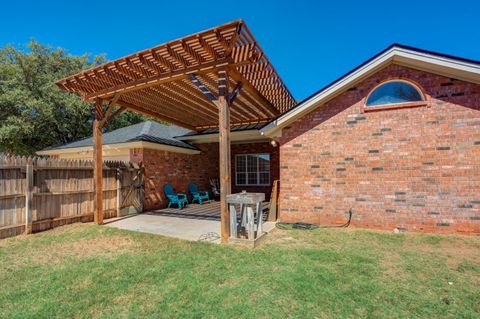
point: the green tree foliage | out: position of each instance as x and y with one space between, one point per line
34 112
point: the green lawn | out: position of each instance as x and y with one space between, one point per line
90 271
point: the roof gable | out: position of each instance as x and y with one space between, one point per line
437 63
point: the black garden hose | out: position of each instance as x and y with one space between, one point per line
307 226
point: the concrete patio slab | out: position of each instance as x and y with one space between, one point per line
177 227
195 222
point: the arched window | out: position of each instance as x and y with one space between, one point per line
392 93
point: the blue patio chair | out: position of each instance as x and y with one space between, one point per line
198 195
173 198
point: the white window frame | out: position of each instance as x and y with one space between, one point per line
257 155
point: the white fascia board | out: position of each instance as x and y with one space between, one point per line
442 65
458 69
121 146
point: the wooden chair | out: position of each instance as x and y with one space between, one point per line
215 186
173 198
197 195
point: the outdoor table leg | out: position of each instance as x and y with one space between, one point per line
233 222
260 219
250 223
243 216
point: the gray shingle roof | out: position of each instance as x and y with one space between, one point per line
234 128
147 131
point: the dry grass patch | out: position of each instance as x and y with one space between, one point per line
84 248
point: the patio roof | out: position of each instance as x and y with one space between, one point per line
176 81
216 78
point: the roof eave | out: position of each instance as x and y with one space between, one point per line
453 67
122 145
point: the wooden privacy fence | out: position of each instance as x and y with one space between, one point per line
38 194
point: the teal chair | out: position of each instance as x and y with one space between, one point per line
173 198
197 195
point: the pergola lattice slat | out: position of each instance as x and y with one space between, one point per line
214 78
230 45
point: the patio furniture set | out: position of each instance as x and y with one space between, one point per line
181 199
246 222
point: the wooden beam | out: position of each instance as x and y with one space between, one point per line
166 101
192 53
169 66
149 64
128 74
202 88
225 156
180 103
117 112
259 121
221 39
156 115
201 103
203 54
156 79
234 93
234 74
137 68
178 57
98 162
234 39
228 27
110 106
207 48
221 101
237 114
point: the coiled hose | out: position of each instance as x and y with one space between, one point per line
307 226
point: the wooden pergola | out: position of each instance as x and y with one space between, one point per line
214 78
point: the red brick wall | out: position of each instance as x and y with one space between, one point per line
177 169
180 169
415 169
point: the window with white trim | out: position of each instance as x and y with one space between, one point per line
252 169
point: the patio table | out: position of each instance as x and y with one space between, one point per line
250 205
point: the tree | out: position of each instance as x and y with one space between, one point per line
34 112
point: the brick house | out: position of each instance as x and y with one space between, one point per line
171 154
397 139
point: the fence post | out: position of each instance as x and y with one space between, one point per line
29 198
119 191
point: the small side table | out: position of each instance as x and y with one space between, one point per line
250 205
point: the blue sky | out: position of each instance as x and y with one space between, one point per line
310 43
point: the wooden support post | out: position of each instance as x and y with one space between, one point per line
107 117
98 162
233 221
223 102
225 157
119 191
29 198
